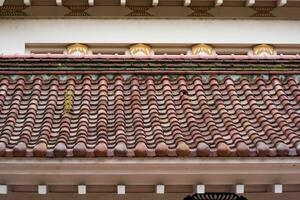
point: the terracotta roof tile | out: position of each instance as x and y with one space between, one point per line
150 115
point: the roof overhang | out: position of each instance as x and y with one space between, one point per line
140 176
135 171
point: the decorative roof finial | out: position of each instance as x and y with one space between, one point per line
263 49
78 49
202 50
140 50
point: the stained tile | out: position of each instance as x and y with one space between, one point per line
170 115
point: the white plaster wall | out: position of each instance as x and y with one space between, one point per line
15 33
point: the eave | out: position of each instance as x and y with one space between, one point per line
135 171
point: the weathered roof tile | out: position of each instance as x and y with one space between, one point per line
195 115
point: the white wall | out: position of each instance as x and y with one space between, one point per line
15 33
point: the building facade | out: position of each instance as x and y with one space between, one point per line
149 99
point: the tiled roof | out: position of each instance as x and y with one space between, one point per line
86 115
59 105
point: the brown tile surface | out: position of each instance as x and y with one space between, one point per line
149 115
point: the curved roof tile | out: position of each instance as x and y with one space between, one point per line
150 115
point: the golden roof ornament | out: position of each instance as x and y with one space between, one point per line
202 49
140 50
263 49
77 49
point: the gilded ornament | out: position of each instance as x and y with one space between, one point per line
263 49
140 50
78 49
202 49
